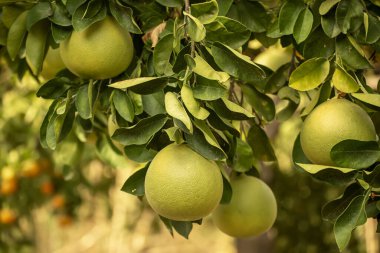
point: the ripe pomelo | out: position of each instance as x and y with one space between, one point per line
182 185
330 123
252 210
101 51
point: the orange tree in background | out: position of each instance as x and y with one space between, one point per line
186 78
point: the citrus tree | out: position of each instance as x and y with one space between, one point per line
175 86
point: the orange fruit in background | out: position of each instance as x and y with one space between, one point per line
330 123
182 185
65 220
251 211
47 188
101 51
31 168
58 201
7 216
8 187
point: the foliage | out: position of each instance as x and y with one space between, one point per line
192 80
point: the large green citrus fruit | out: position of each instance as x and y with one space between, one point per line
182 185
52 64
330 123
101 51
252 210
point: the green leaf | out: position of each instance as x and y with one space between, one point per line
154 103
373 31
373 178
332 210
83 102
88 13
242 161
39 11
310 74
124 16
36 46
208 135
198 142
355 154
229 110
139 153
315 168
171 3
45 124
206 89
54 88
72 5
60 15
136 182
367 98
261 103
330 26
288 16
227 190
143 85
349 14
195 28
205 12
16 35
142 132
236 64
202 68
318 44
354 59
344 81
352 217
251 14
303 25
260 144
60 33
229 31
327 5
224 6
123 105
192 105
183 227
162 53
175 109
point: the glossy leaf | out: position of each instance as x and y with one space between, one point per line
261 103
192 105
205 12
162 53
175 109
327 5
309 74
143 85
288 16
196 29
136 182
123 105
368 98
260 144
203 69
236 64
355 154
36 44
352 217
140 133
303 25
16 35
344 81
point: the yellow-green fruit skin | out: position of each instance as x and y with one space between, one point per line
330 123
182 185
251 211
52 64
101 51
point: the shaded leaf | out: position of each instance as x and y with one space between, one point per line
355 154
260 144
242 161
205 12
154 103
135 183
16 35
350 56
39 11
207 90
288 16
261 103
54 88
348 14
123 105
229 110
36 45
142 132
162 53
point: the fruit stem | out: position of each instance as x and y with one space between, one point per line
192 43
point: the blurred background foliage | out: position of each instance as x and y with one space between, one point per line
70 200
